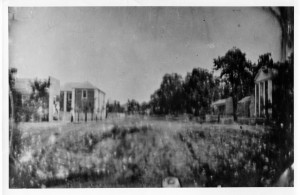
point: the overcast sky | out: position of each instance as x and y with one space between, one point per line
125 51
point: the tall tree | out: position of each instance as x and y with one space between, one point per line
199 91
168 98
236 70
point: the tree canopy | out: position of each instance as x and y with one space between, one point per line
237 71
193 94
199 91
168 99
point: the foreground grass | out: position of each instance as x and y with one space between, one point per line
140 153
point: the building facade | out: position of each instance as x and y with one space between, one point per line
264 93
82 101
72 102
222 107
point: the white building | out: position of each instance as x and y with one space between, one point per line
264 92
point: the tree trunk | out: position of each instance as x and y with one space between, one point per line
234 107
11 121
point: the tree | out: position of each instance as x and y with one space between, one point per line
114 107
144 107
39 98
133 106
199 88
39 89
156 103
236 70
168 99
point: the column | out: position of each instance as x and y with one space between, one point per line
73 103
65 101
259 91
104 106
255 101
96 102
264 96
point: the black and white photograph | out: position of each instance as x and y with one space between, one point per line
150 96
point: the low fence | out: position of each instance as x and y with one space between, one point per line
115 115
81 116
225 119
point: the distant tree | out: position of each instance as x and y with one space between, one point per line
40 90
199 88
39 98
133 106
114 107
236 70
156 103
144 107
168 99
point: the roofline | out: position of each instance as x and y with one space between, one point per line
261 69
101 91
82 88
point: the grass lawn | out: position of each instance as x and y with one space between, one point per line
141 153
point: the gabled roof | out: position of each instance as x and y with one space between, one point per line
219 102
245 99
264 74
78 85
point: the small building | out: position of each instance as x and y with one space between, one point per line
81 102
222 107
264 92
243 107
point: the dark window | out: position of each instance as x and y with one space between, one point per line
69 101
61 101
69 96
84 94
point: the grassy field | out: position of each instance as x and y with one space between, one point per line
141 153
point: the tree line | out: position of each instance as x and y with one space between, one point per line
195 93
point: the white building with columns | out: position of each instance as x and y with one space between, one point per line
264 92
